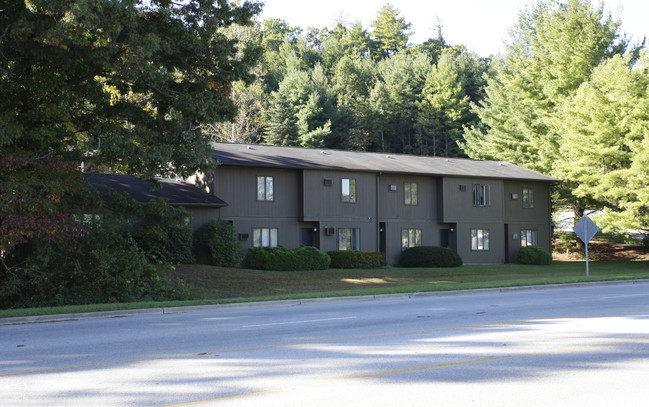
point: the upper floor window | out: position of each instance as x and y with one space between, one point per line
528 198
410 238
265 188
481 194
348 190
529 237
479 239
264 237
349 239
410 193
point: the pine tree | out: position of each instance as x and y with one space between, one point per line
553 49
605 139
390 30
443 109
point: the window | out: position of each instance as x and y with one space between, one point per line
410 193
349 239
529 237
348 190
410 238
264 188
481 194
528 198
479 239
264 237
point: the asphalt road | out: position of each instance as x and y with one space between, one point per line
575 346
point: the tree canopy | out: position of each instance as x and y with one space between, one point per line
120 84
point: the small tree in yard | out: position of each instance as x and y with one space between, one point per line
215 244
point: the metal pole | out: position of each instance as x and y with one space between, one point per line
586 233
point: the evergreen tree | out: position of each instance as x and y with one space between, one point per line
303 112
394 100
443 109
553 49
353 79
390 30
605 140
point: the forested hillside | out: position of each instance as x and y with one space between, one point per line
355 87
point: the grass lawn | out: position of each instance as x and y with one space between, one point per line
223 284
211 285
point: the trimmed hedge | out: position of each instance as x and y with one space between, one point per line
429 256
534 255
282 259
354 259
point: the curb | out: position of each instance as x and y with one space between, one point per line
291 303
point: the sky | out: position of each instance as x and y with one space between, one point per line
481 25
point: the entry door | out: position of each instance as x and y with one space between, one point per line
382 239
308 237
444 237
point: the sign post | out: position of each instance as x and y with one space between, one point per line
586 229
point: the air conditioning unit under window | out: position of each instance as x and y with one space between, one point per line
244 236
327 182
330 231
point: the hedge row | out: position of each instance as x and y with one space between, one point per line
282 259
429 256
354 259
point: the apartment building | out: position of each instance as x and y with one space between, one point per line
345 200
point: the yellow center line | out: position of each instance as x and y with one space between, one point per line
412 369
320 340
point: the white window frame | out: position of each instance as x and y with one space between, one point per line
410 193
265 188
481 194
480 239
349 239
348 190
264 237
529 237
410 237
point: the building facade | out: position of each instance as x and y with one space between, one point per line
343 200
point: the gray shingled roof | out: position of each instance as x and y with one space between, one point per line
176 192
294 157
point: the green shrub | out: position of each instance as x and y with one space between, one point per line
353 259
282 259
103 267
162 233
429 256
215 244
533 255
310 258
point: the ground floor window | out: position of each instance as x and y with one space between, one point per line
349 239
264 237
479 239
410 238
529 237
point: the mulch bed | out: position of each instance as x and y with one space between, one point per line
607 252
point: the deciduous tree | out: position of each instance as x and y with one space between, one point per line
119 83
